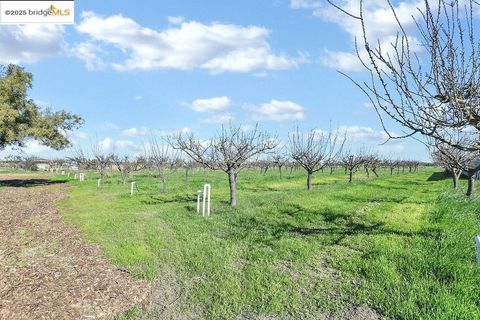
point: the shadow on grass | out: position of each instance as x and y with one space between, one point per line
437 176
168 199
25 183
339 226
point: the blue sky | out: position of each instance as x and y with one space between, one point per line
166 66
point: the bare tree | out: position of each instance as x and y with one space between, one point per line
391 164
161 156
101 160
315 150
456 161
279 160
436 94
126 166
352 161
79 158
229 150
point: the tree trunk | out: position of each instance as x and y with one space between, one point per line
309 180
471 185
375 172
163 179
280 170
455 177
350 177
232 181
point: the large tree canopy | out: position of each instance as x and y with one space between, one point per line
21 118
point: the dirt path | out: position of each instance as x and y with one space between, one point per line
46 270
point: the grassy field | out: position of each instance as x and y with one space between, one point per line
402 244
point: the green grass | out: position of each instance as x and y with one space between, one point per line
402 244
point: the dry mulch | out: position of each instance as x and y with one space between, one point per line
47 271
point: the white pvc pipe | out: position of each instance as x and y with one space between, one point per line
206 196
131 187
199 192
82 176
98 183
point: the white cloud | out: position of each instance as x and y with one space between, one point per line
136 132
33 149
138 98
105 144
358 134
362 137
277 111
30 43
380 24
175 20
217 104
215 47
143 131
392 148
111 126
219 118
89 53
304 4
345 61
79 135
125 146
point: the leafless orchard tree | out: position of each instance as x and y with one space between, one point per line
161 157
315 150
352 161
279 160
126 166
79 158
371 162
188 165
456 161
229 150
101 160
392 164
434 91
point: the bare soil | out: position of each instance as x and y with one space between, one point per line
47 271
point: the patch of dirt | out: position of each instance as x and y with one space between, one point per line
47 271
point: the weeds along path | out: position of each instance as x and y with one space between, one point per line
47 271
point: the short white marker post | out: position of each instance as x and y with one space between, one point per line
98 183
82 176
63 173
68 175
477 242
75 176
132 185
199 193
206 196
